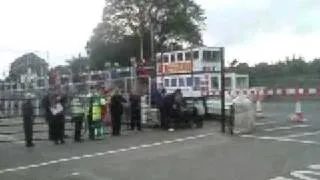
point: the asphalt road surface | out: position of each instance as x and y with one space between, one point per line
277 150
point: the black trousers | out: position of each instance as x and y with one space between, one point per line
78 126
163 117
50 131
58 128
116 124
28 130
135 121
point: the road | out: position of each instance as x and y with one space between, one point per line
277 150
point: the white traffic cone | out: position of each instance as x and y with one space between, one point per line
259 113
298 116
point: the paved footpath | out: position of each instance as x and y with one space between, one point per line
277 150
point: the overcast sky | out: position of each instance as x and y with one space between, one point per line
251 30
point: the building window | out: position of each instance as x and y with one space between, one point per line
189 81
214 82
181 82
166 82
165 58
173 58
188 56
211 56
173 82
197 83
180 57
195 54
228 82
159 59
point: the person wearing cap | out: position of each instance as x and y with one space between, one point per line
77 113
28 116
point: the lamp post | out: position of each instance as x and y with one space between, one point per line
89 79
107 74
222 94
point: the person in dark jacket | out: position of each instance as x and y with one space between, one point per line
171 105
28 116
135 108
116 110
58 121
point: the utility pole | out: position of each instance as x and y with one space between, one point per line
222 94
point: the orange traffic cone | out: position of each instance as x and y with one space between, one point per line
298 116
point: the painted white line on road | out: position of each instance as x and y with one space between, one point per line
146 145
62 160
99 154
133 148
87 156
265 123
279 139
123 150
112 152
104 153
22 167
157 144
52 162
44 164
75 158
191 138
201 136
302 134
286 127
75 174
179 140
308 174
167 142
314 166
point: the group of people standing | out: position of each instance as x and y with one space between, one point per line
55 106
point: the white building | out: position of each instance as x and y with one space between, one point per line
196 72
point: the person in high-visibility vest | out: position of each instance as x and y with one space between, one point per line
78 114
94 117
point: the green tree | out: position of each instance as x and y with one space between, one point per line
22 64
127 24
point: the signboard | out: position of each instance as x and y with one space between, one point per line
175 68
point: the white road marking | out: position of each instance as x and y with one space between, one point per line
133 148
22 167
315 166
265 123
61 160
302 134
167 142
99 154
123 150
280 139
112 152
179 140
33 165
103 153
286 127
157 144
146 145
75 158
303 174
191 138
75 174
